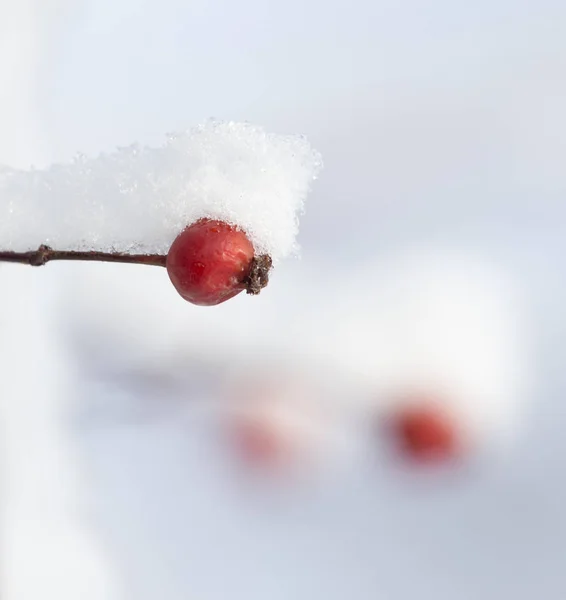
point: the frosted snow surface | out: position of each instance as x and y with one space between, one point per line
137 199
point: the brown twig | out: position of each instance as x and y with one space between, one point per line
45 254
256 280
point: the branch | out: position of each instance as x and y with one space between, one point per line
255 281
44 254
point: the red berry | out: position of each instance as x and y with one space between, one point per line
425 433
209 262
260 444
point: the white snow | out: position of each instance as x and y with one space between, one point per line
137 199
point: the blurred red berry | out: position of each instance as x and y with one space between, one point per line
425 433
209 262
260 444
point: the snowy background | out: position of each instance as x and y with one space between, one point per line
440 123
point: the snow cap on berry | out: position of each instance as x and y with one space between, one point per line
138 199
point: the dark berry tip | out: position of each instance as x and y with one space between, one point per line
258 276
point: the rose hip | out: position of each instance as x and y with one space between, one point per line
425 433
261 444
209 262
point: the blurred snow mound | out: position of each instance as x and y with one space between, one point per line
430 321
